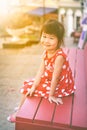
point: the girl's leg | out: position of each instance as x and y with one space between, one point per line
22 101
12 118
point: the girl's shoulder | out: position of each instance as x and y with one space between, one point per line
58 53
61 52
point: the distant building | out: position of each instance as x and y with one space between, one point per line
68 12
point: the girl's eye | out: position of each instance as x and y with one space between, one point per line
51 38
44 36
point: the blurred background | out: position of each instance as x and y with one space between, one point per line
22 19
20 24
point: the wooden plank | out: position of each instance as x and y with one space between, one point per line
36 126
28 110
85 57
45 112
63 112
72 59
62 115
79 117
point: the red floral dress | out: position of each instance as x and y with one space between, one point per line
65 84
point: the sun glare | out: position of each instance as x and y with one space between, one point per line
6 6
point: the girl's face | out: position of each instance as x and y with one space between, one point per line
50 42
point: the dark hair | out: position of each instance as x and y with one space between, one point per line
52 26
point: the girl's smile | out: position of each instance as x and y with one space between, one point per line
49 41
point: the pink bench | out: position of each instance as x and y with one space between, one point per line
39 114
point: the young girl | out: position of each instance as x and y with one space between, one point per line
54 78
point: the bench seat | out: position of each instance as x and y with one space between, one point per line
39 114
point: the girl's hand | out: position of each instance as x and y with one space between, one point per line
55 100
30 92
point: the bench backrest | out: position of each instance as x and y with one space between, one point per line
85 58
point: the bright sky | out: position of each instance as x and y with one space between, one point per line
5 5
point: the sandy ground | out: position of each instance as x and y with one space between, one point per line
16 65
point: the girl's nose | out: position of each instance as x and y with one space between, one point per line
46 39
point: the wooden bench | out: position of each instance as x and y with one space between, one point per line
39 114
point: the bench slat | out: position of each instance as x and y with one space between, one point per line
72 59
45 112
36 126
79 118
85 56
28 110
63 112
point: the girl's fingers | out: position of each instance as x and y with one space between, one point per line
60 100
53 100
50 100
56 100
27 94
31 94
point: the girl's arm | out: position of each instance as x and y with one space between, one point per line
39 74
37 79
55 78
